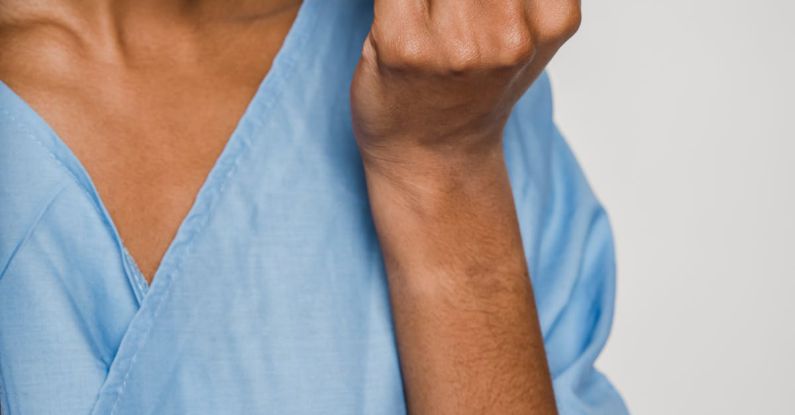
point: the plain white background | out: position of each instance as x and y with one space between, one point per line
682 113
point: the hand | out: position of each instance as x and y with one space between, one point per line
440 77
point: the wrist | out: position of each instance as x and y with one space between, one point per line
436 169
446 218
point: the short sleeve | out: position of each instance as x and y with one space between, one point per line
569 247
581 327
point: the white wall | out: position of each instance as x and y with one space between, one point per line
682 113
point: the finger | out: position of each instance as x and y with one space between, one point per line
484 32
399 30
398 10
554 21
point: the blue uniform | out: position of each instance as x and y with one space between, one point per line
272 298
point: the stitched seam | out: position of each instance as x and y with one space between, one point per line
87 192
209 209
60 163
30 229
175 272
139 280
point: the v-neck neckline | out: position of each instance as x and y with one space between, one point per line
259 114
221 171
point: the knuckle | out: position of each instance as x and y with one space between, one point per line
403 53
463 57
516 46
563 22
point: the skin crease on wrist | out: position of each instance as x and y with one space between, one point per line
430 97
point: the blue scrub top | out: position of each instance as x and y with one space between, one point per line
272 298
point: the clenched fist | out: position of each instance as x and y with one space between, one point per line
443 75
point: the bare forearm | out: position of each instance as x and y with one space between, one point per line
433 90
466 324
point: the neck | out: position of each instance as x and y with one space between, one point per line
121 9
115 27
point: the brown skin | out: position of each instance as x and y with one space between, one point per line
436 83
435 86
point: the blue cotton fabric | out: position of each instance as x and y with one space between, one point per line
272 298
